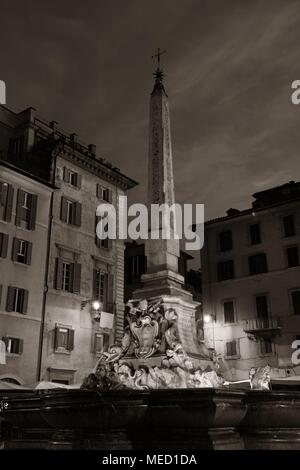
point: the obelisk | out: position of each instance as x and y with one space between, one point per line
162 280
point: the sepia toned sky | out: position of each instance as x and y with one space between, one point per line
229 67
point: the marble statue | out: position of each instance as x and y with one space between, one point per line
152 332
260 378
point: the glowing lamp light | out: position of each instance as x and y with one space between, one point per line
96 305
207 318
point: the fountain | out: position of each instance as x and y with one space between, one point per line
159 388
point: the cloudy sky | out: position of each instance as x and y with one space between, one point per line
229 66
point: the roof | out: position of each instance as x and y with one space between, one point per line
25 173
70 146
277 196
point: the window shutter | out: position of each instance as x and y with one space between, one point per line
98 190
9 203
98 343
28 252
56 333
3 192
77 220
71 335
105 342
19 211
78 180
66 176
76 278
0 294
110 293
15 249
94 283
97 239
21 346
109 195
143 264
58 273
3 245
25 301
63 209
33 208
5 341
10 298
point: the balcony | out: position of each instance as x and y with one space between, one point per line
263 327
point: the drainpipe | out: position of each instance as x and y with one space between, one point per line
41 339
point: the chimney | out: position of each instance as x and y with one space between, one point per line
73 138
232 212
92 149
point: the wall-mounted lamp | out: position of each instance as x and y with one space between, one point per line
96 308
208 318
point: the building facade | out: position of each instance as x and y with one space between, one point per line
81 268
251 283
25 203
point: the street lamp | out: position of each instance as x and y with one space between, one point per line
96 308
96 305
208 318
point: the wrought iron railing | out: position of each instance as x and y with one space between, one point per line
262 324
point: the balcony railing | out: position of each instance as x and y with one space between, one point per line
262 325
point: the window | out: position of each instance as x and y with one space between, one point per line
295 296
3 245
231 349
266 346
21 251
70 212
72 178
225 270
135 266
103 193
289 226
255 236
68 276
262 310
228 307
103 289
26 210
6 201
16 146
102 242
17 300
258 264
63 339
292 256
13 345
225 239
100 284
101 343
